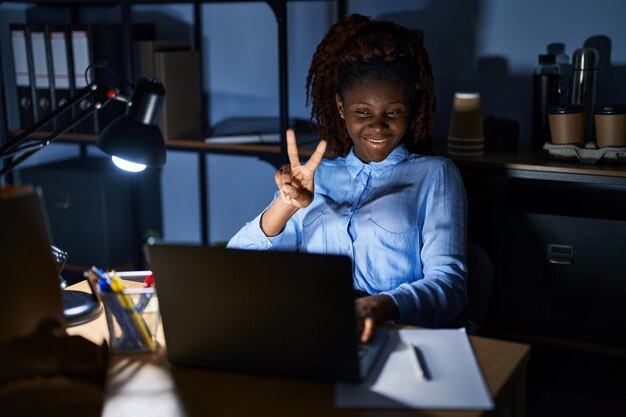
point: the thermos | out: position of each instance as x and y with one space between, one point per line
546 92
583 88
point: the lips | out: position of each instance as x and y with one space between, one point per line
375 140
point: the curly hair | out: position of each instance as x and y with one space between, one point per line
354 48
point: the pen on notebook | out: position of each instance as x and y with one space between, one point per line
422 366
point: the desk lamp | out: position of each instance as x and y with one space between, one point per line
133 140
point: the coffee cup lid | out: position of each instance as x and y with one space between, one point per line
611 109
566 109
467 95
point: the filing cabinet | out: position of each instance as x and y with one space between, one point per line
98 213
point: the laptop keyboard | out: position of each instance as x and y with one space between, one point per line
363 349
368 352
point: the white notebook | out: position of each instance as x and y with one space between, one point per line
446 375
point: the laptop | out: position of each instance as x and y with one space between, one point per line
275 313
30 267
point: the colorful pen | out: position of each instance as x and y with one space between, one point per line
127 303
145 298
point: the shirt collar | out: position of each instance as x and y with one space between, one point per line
355 165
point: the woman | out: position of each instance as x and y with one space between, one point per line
399 215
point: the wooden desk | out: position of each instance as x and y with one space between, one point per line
146 385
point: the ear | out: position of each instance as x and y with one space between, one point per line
339 106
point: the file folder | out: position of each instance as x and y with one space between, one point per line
81 55
21 64
62 86
179 71
181 92
42 73
147 49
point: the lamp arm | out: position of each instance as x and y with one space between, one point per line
101 96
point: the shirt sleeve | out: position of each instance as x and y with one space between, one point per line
441 294
252 237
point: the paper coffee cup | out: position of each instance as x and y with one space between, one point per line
465 133
610 121
567 124
466 121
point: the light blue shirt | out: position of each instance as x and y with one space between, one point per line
401 220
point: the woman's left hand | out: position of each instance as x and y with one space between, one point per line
372 309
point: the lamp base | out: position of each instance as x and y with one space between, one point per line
80 307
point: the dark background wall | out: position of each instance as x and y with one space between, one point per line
489 46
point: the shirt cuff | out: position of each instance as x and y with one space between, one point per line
251 236
407 302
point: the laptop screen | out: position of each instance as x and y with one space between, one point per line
280 313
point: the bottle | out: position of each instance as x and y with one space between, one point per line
546 92
583 87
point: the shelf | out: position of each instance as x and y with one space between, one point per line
536 164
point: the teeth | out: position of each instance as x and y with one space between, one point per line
376 140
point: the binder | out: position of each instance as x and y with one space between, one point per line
21 64
147 49
80 52
179 71
42 85
62 85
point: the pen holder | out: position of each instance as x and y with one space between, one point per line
133 319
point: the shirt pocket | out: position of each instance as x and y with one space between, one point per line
393 255
314 232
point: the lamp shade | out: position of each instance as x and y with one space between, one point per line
135 136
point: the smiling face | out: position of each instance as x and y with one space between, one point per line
376 113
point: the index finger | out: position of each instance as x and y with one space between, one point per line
292 149
317 156
368 329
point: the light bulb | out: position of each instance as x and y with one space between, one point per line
127 165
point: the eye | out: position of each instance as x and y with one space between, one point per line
393 113
362 113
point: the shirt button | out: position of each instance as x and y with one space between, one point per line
347 248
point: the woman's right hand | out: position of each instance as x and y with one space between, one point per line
294 180
295 186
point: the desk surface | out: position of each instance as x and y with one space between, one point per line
146 385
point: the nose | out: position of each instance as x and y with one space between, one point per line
378 123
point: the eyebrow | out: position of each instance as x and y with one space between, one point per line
370 104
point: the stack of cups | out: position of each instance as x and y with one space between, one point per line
465 135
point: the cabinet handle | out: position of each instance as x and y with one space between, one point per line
560 254
61 200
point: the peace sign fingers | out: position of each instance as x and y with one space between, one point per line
317 156
294 157
292 149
